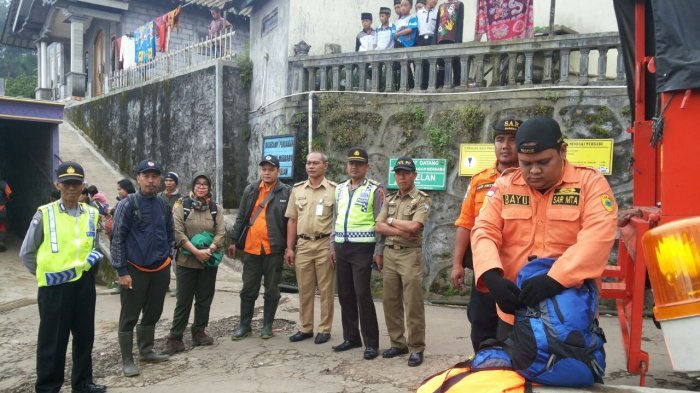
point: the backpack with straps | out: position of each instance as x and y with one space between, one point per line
187 203
136 210
487 371
558 342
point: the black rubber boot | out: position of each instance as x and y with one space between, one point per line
145 336
243 330
126 345
268 318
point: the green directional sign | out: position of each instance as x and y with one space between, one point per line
432 174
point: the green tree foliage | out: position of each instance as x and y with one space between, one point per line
17 65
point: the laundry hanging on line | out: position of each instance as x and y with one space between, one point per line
504 20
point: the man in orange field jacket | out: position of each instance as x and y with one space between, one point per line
545 208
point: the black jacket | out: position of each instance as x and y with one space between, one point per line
274 214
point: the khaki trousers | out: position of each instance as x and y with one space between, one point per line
313 268
403 295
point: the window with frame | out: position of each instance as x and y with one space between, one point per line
269 23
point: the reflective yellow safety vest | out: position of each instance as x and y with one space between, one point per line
62 256
355 220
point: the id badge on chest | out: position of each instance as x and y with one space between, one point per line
319 208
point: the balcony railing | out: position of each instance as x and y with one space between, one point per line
559 60
175 61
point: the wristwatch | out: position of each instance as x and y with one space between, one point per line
390 220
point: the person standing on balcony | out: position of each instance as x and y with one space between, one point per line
547 208
406 27
384 34
218 23
481 311
366 39
427 20
354 245
397 8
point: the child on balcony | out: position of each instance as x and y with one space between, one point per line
384 33
406 27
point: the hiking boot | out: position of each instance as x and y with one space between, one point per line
200 337
173 345
240 333
126 345
144 339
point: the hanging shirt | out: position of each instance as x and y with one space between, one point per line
145 42
162 32
365 40
450 22
127 54
406 22
504 20
384 37
426 21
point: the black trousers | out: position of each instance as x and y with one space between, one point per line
65 309
482 315
198 285
422 41
147 296
353 271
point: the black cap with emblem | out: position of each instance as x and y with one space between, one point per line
538 134
397 2
366 16
384 10
148 166
506 126
270 159
405 164
358 154
70 171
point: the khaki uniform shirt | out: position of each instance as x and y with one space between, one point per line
197 222
414 206
313 210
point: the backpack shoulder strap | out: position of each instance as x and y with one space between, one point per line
186 207
135 210
213 210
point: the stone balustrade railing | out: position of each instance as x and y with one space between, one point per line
559 61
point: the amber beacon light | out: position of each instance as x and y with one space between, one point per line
672 253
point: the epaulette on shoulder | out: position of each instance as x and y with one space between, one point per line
376 183
331 182
489 169
423 193
590 168
299 183
392 194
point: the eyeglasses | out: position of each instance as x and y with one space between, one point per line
201 185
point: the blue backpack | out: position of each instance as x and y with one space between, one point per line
558 342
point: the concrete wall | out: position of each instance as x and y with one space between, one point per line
173 121
582 113
269 54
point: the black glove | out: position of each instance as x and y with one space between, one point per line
539 288
505 292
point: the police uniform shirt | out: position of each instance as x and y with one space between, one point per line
414 206
312 208
35 236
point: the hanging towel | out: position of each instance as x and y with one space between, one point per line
174 18
162 30
504 20
127 54
145 42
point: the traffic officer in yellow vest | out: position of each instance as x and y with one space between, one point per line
354 244
310 214
401 222
60 250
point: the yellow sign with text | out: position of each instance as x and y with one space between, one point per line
596 153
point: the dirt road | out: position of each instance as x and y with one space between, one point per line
255 365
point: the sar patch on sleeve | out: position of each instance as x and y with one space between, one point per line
608 204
